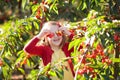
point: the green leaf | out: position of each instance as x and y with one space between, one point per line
24 2
104 77
60 73
20 55
4 70
73 1
43 78
52 73
7 61
21 70
74 43
84 6
79 4
55 9
34 8
44 69
115 59
29 62
33 74
86 77
71 44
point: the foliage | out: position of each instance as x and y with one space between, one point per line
96 44
96 26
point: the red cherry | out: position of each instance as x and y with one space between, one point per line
91 56
72 31
50 35
95 51
38 17
83 60
103 60
90 69
102 20
7 0
1 46
59 33
80 47
1 62
84 28
87 45
116 37
24 61
106 60
28 56
99 47
81 71
35 1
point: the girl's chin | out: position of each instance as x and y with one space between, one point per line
56 43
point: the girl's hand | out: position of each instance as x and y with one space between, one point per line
43 33
65 30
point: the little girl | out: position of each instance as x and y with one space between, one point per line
53 47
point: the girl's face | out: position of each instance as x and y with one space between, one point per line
54 38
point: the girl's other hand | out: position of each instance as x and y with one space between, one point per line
65 30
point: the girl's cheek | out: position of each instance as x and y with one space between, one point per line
49 39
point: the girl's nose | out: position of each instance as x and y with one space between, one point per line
55 35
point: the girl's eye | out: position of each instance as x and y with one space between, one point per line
59 33
50 35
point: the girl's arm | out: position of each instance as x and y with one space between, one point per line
32 48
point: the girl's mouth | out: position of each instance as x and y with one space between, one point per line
57 39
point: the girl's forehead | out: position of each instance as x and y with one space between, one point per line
51 27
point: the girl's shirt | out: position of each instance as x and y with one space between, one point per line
57 57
